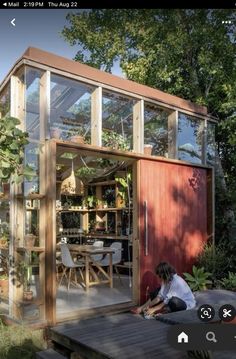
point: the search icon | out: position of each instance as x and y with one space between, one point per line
211 337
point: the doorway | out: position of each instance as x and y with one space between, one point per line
94 224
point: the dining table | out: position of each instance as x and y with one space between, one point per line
94 273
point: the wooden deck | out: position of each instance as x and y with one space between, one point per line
123 336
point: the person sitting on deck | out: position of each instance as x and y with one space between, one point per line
173 295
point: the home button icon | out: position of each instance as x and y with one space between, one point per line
182 338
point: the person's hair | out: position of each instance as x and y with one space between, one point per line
165 271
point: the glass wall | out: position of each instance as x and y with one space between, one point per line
155 130
70 109
117 121
32 103
31 185
211 145
5 102
190 137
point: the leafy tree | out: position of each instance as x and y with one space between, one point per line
12 142
185 52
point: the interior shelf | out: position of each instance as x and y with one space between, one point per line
31 196
95 209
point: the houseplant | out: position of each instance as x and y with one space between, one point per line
85 173
114 140
122 194
30 240
78 134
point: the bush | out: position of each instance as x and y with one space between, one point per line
216 260
230 282
199 280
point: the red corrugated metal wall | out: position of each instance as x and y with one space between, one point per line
176 198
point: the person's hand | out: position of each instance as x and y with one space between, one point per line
150 311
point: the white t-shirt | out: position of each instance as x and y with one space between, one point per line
177 288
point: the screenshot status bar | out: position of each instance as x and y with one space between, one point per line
86 4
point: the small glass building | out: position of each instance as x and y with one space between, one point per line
115 162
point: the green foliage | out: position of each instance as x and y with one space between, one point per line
114 140
24 274
85 172
229 283
12 142
123 185
90 201
186 52
216 259
199 279
18 341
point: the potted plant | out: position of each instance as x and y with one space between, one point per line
91 201
99 204
122 190
148 149
30 240
77 134
55 132
24 272
4 285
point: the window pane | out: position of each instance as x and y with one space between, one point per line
211 145
70 108
32 151
5 102
32 118
155 130
189 139
117 121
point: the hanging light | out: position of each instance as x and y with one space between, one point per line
72 184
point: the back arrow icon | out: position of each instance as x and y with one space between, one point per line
13 22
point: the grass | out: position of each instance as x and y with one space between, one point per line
21 342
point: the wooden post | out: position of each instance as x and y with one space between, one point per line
138 126
211 205
203 130
50 243
136 231
44 97
173 135
96 117
16 205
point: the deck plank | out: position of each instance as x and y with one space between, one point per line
122 336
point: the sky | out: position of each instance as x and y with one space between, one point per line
37 28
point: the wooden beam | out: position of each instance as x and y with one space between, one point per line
16 206
173 135
138 126
211 205
50 243
44 105
96 117
203 130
